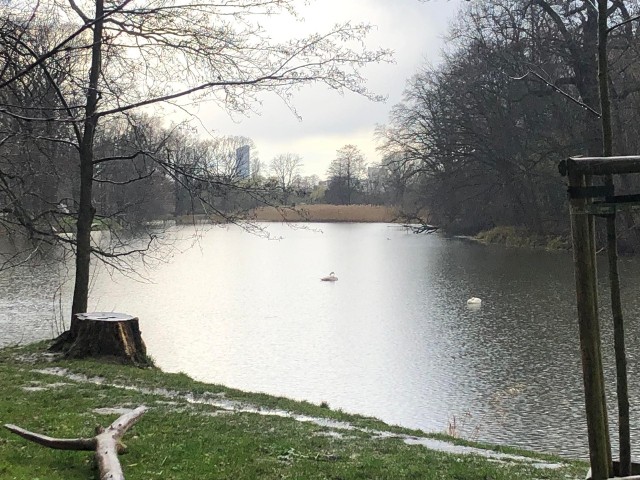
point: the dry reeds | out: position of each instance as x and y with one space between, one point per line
462 428
326 213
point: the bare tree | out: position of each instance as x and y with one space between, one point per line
515 93
346 173
32 186
286 169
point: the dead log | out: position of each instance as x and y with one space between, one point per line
107 443
108 334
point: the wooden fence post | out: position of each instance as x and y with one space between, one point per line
582 230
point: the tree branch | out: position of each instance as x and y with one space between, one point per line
55 443
560 91
60 47
618 25
125 182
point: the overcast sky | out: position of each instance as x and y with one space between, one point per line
411 28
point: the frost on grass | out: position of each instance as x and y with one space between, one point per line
112 410
35 386
337 427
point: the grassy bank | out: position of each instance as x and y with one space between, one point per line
198 431
521 237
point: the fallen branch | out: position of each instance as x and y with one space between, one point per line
106 443
424 228
57 443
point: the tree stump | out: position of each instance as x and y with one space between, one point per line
108 334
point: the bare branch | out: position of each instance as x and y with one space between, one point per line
618 25
126 182
559 90
60 47
51 442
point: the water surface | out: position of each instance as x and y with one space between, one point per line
393 338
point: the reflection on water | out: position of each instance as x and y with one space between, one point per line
31 295
393 338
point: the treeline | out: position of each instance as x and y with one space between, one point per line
351 180
143 172
475 142
142 167
479 135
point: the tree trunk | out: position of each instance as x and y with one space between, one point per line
113 335
86 210
612 250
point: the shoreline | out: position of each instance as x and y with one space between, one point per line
324 213
195 430
516 237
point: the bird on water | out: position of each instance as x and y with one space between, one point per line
330 278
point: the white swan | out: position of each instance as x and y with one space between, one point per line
474 301
330 278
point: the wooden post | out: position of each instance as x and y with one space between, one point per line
582 231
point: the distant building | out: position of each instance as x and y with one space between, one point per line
243 161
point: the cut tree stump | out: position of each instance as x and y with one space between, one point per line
106 443
109 334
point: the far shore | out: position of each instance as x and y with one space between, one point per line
310 213
326 213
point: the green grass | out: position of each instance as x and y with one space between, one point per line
177 439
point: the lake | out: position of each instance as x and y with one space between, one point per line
392 338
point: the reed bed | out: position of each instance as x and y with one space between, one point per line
326 213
